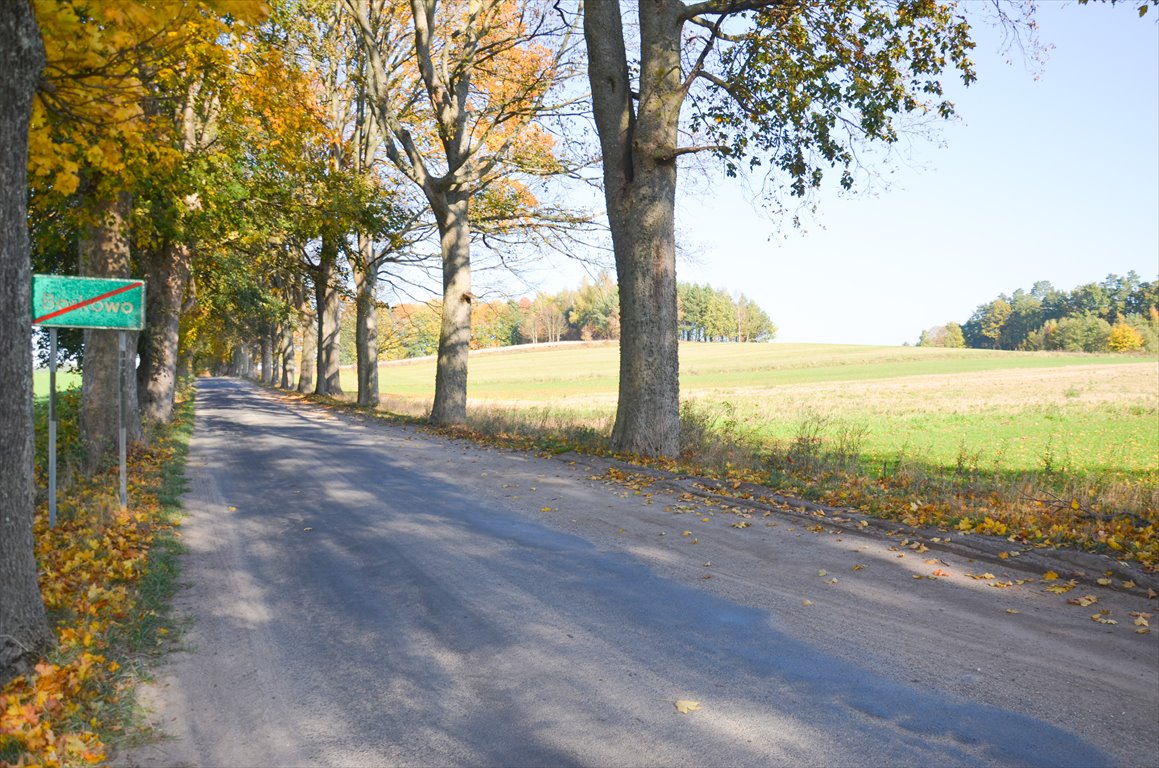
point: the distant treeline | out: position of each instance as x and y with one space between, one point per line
1120 314
588 313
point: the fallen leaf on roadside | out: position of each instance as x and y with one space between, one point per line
1013 610
1141 622
981 576
941 572
1103 582
917 576
1128 584
1050 576
858 567
831 581
684 706
741 524
1151 594
1101 617
231 509
1060 589
1084 601
1003 555
822 573
806 602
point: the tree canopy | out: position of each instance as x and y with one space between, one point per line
1119 314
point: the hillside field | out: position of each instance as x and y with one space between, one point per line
964 409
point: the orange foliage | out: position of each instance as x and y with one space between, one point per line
89 564
102 60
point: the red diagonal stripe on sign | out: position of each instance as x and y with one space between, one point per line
86 302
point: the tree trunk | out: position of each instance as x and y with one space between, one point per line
329 331
24 630
366 321
289 354
450 406
267 355
309 346
104 252
168 278
640 193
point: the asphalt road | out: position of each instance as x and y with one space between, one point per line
366 594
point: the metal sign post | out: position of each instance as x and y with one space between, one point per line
52 427
121 417
88 302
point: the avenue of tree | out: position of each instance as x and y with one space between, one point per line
257 161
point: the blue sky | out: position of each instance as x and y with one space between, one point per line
1049 179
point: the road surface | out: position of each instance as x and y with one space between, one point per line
369 594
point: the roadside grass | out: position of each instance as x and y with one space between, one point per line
107 577
1054 450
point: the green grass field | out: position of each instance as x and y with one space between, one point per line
64 380
956 409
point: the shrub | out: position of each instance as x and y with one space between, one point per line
1124 338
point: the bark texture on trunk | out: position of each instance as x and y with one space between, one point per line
366 321
450 405
267 353
167 280
309 331
24 630
104 252
640 191
289 352
329 331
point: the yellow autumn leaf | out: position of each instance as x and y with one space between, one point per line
1084 601
1103 582
806 603
684 706
1129 584
822 573
858 567
1013 610
1050 576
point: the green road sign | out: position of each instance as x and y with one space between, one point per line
65 301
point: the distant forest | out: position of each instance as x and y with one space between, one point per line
590 312
1120 314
